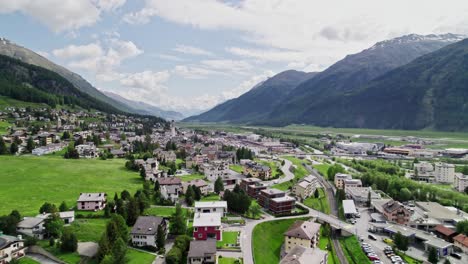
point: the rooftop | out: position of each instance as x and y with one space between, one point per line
206 219
303 230
349 207
30 222
147 225
91 197
201 248
302 255
212 204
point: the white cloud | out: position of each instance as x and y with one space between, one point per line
148 81
61 15
44 54
311 33
102 61
169 57
192 50
213 67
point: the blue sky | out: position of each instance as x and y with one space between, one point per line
189 55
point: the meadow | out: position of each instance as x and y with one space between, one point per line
27 182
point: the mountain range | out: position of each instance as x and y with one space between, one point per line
352 91
13 50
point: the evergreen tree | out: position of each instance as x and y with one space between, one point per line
119 251
189 195
13 148
54 225
218 185
160 237
433 258
104 247
63 207
197 193
48 208
3 148
401 242
30 144
125 195
369 199
133 211
68 241
178 224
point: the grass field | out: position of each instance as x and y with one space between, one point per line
228 238
236 168
26 260
322 169
273 165
6 101
299 173
138 257
224 260
268 238
164 211
71 258
3 127
88 229
352 250
320 204
190 177
27 182
324 243
211 197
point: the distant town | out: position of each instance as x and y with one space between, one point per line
210 195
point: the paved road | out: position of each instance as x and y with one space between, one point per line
41 259
288 175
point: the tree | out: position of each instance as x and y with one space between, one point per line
133 211
218 185
462 227
8 222
48 208
369 199
63 207
189 194
13 148
405 195
119 251
196 193
178 224
30 144
104 247
54 225
447 261
401 242
433 258
255 210
66 135
3 148
125 195
160 237
68 241
174 256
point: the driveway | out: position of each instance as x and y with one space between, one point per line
41 259
288 175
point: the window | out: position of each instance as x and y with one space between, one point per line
195 229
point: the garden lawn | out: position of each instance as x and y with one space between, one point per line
88 229
3 127
408 259
352 250
324 241
164 211
273 165
71 258
27 182
268 238
228 238
210 198
236 168
320 204
26 260
190 177
323 169
225 260
137 257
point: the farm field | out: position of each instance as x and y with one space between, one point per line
268 238
27 182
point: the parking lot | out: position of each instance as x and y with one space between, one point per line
378 246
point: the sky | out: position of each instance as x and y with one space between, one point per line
190 55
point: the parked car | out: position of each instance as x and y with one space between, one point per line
456 255
388 240
372 237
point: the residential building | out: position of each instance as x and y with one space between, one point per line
171 187
347 183
276 201
252 186
207 225
87 151
257 170
306 187
215 169
305 255
144 232
444 172
445 233
32 226
461 182
396 212
92 201
11 248
39 151
461 241
68 217
219 207
339 180
360 195
204 187
302 233
202 252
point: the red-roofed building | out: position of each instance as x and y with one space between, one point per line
461 241
445 233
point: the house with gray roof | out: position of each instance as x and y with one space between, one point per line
32 226
202 251
304 255
145 231
302 233
92 201
11 248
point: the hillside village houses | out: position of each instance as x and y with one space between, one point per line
302 233
461 182
437 173
219 207
305 187
257 170
32 226
340 178
11 247
305 255
207 226
144 231
91 201
215 169
87 151
171 187
202 252
205 187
